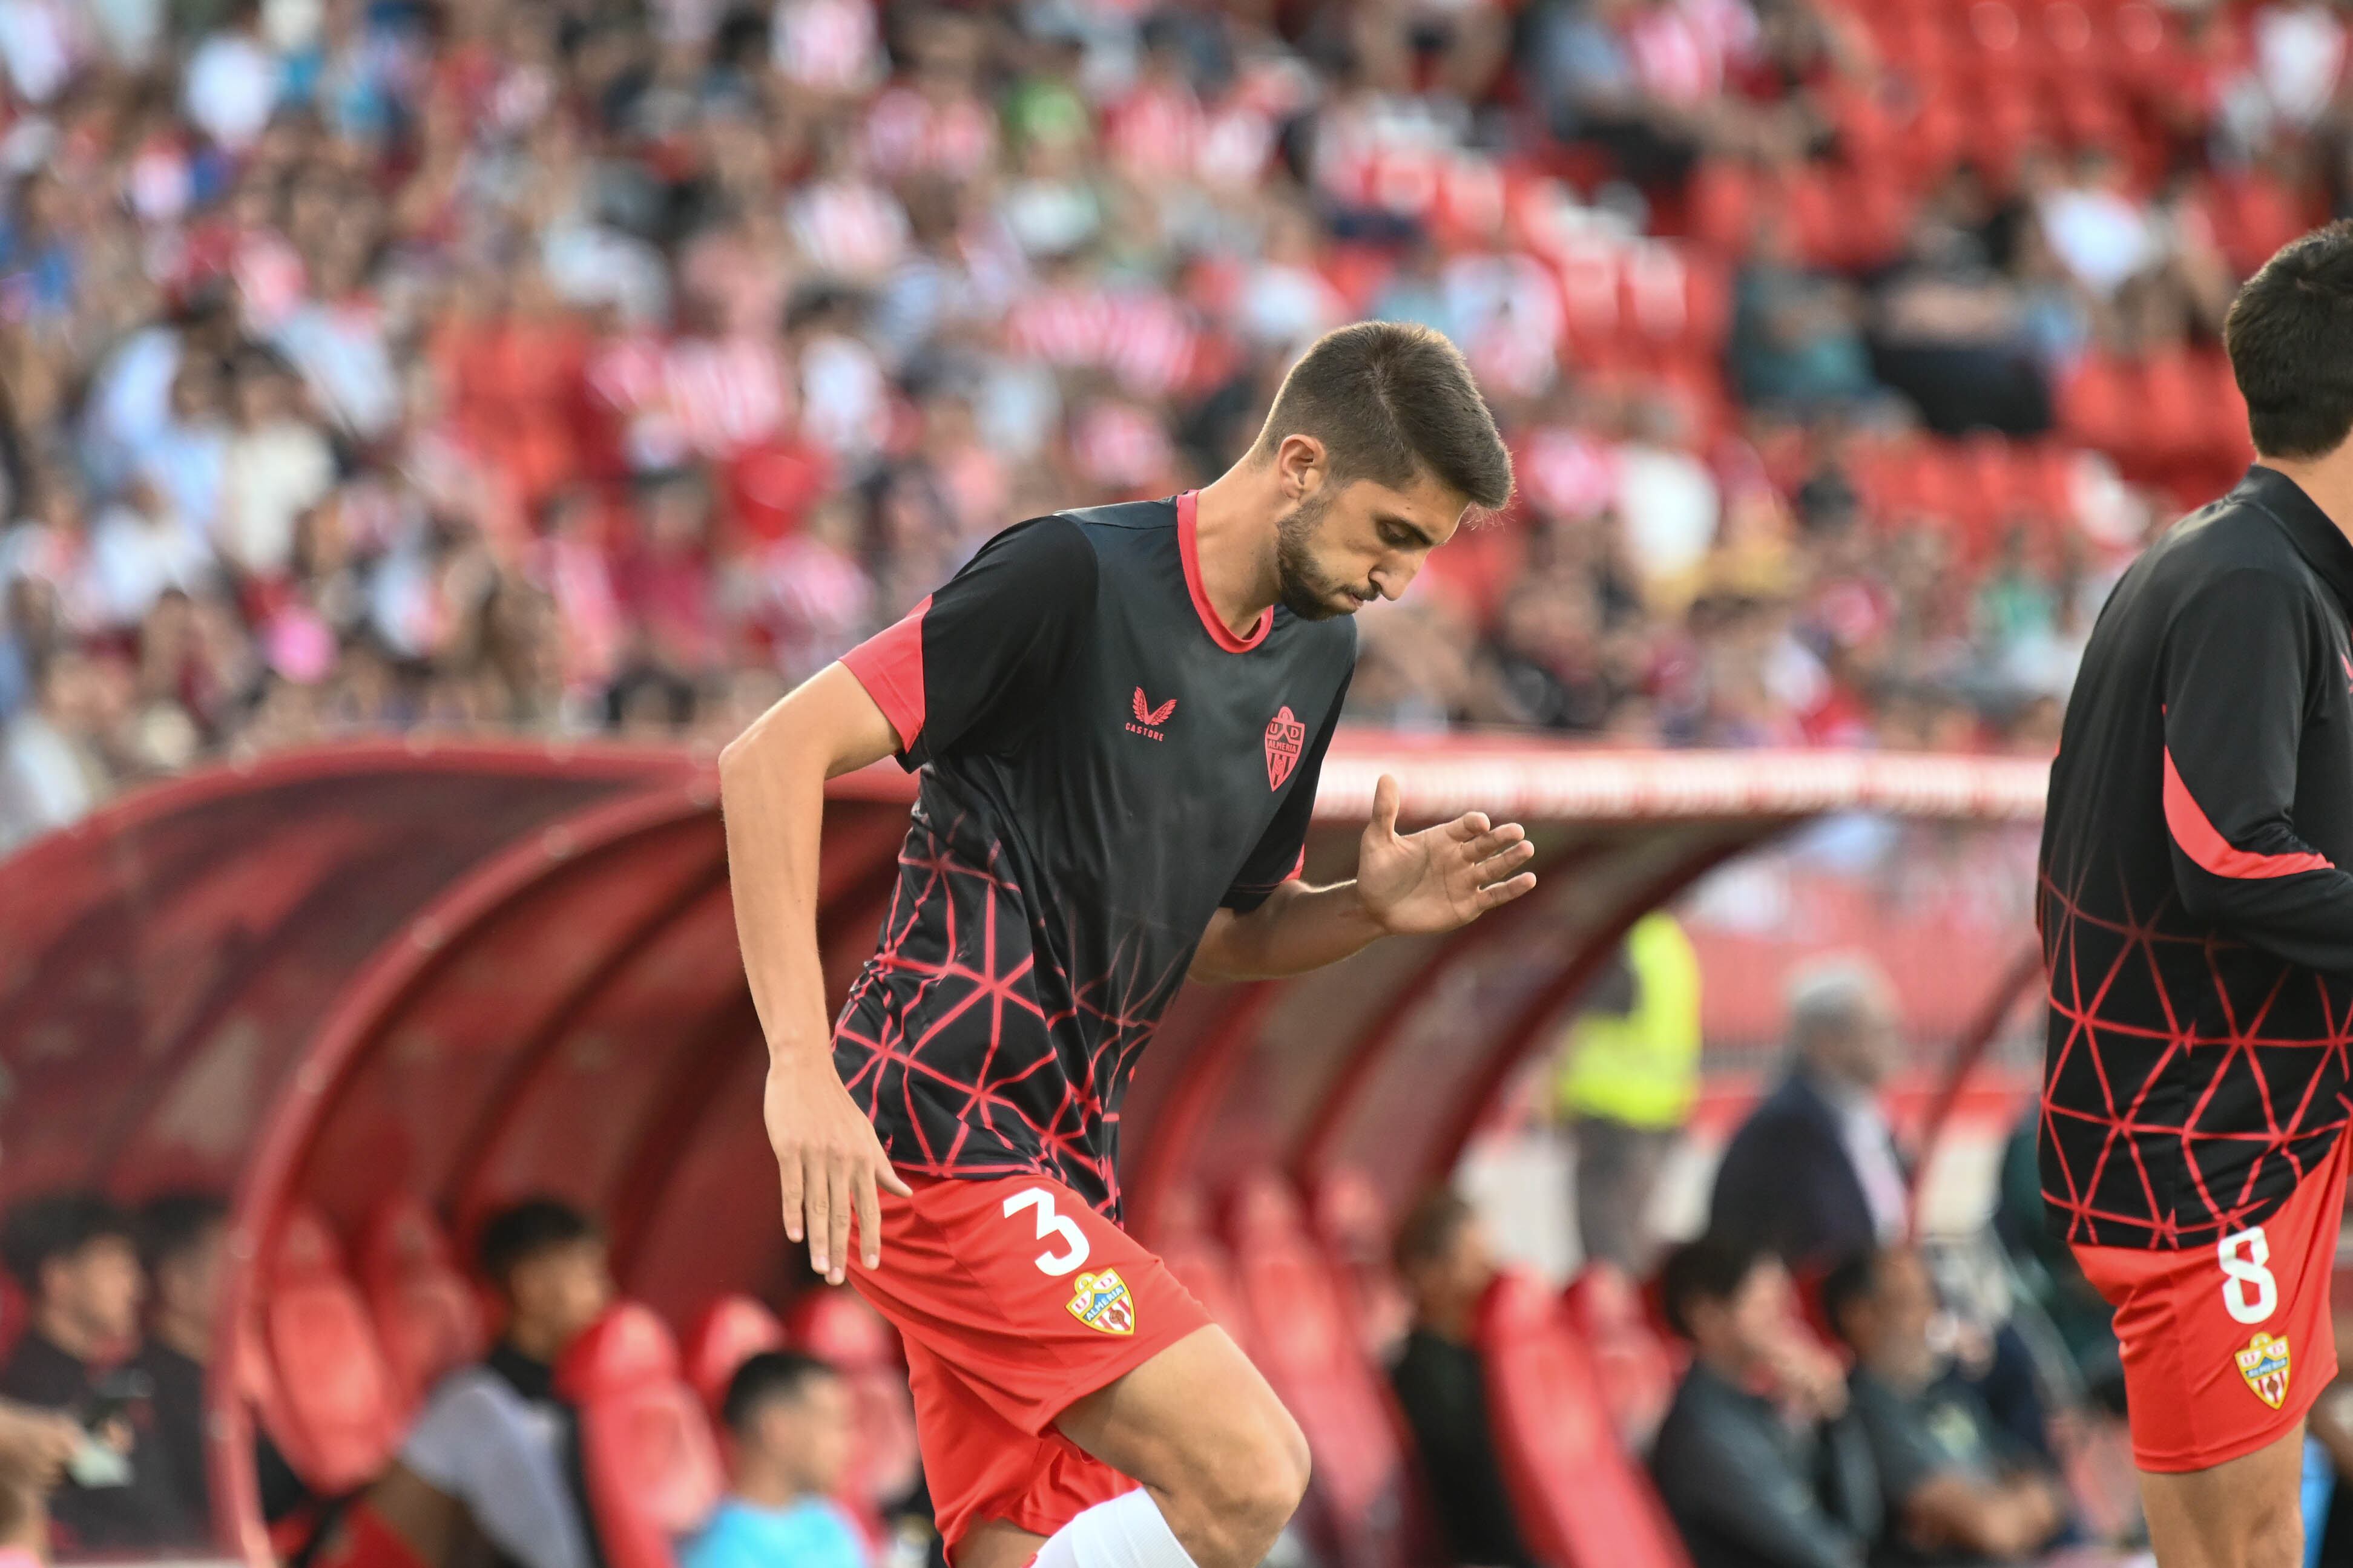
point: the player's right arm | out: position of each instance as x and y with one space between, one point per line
772 794
2239 658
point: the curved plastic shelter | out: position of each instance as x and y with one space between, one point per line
462 972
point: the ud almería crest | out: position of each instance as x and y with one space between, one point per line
1285 738
2263 1364
1103 1302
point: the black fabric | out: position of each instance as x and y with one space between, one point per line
179 1400
146 1512
1748 1488
1943 1429
1785 1184
1441 1387
2198 1017
1098 776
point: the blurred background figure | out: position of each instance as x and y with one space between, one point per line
75 1257
1760 1459
1813 1175
1444 1257
180 1242
1956 1488
1630 1073
787 1418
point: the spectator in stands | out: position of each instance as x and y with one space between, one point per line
1443 1257
496 1453
1759 1460
1812 1177
788 1426
1951 333
74 1255
1956 1488
180 1236
1630 1073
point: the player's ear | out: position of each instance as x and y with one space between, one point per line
1302 464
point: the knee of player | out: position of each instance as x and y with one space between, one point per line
2276 1538
1263 1479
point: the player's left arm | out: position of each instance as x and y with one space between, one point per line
1433 880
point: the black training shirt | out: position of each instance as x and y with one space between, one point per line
2196 924
1104 764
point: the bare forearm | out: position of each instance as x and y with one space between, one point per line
1299 928
772 792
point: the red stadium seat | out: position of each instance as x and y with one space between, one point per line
725 1334
646 1451
1311 1354
1182 1237
1632 1365
1353 1223
330 1400
837 1325
1582 1501
428 1317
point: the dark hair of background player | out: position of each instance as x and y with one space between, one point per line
1392 401
1428 1230
771 1375
2290 337
523 1230
1712 1269
57 1224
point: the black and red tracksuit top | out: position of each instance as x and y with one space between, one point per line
2197 920
1104 764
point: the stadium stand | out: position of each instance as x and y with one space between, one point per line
650 1465
428 1318
724 1336
328 1397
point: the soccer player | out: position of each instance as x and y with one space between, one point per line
1120 715
2197 923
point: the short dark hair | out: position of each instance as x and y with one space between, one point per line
2290 338
57 1224
523 1231
1712 1269
1854 1279
1430 1227
1390 401
765 1378
171 1224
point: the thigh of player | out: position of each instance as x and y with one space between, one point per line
2225 1346
1036 1310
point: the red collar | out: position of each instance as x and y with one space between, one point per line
1188 550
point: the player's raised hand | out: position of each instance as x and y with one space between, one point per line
830 1160
1442 877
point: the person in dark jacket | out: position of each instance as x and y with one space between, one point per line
1443 1257
1759 1461
1813 1175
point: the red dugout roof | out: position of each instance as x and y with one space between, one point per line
468 971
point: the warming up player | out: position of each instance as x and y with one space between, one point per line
1119 715
2197 920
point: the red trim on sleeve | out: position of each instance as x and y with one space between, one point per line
1298 867
2201 843
890 665
1188 550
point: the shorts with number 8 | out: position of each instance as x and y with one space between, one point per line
1015 1300
2226 1345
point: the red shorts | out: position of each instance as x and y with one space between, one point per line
2226 1346
1015 1300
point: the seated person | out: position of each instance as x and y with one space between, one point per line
495 1454
72 1253
1443 1259
789 1427
1956 1488
1759 1460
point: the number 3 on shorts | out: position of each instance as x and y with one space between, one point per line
2249 1292
1075 1240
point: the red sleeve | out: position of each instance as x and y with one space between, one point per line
890 665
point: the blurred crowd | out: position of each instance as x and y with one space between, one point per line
564 366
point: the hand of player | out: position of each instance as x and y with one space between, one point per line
36 1445
1442 877
830 1160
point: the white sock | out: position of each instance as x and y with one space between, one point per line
1126 1532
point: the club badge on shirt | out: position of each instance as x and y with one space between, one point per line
2263 1364
1285 736
1102 1302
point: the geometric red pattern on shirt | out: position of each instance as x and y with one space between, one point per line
2190 1081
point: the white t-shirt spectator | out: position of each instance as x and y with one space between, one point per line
272 476
232 89
40 43
1668 506
2099 235
340 350
47 781
135 556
